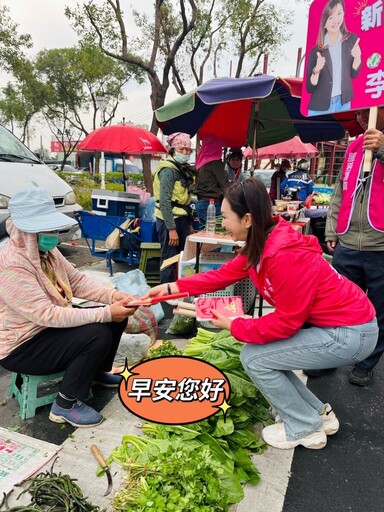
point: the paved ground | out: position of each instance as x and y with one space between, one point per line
344 476
347 475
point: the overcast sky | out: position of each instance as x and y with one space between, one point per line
44 20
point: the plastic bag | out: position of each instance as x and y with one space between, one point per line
134 283
133 347
143 321
181 324
147 211
113 240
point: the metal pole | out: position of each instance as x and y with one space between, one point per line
102 170
265 64
102 103
255 122
300 59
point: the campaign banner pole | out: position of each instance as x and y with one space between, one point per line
372 120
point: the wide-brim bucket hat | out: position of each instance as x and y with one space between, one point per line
33 211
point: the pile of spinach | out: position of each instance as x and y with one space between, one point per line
200 466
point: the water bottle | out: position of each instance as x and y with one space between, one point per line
211 218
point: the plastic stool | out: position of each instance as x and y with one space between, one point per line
150 250
25 389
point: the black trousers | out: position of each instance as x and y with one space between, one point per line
79 351
183 228
366 269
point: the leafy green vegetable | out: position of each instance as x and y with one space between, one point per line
174 476
167 348
181 325
200 466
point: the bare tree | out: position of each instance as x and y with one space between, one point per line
231 34
153 52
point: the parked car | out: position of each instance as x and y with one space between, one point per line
66 168
20 169
129 168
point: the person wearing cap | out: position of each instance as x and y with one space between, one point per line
41 333
173 183
212 179
234 166
277 178
299 180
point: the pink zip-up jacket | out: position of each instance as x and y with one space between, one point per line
29 302
294 278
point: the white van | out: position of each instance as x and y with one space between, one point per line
20 169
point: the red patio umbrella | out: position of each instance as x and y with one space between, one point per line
259 111
126 139
293 148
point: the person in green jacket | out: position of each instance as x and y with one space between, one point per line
173 183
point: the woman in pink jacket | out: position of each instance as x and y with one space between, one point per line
40 331
320 318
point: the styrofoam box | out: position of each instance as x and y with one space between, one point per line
208 261
111 202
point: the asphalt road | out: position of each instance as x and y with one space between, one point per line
78 253
346 475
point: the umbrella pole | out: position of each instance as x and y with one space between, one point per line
255 119
124 174
102 170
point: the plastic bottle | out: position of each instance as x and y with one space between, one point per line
211 218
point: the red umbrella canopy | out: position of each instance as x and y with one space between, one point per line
293 148
122 138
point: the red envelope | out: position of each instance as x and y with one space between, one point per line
231 307
155 300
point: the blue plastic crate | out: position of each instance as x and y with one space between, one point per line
148 231
323 190
98 227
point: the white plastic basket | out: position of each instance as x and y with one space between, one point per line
225 292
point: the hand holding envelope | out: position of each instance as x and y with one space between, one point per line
150 301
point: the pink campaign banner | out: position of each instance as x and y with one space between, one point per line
344 59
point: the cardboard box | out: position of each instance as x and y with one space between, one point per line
114 203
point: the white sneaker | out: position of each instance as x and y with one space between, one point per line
330 422
275 436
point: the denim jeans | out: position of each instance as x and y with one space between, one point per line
366 269
270 367
335 106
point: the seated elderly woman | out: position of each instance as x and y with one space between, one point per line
40 332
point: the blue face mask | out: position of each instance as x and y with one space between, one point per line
181 158
47 241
